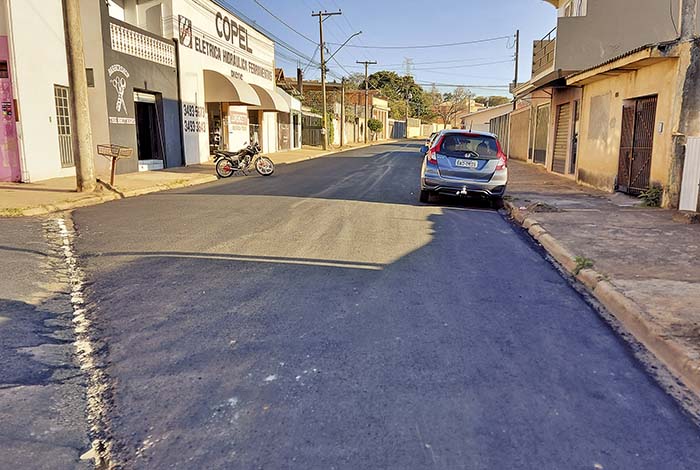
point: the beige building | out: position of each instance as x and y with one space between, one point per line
627 118
614 107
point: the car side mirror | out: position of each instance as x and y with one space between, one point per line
424 149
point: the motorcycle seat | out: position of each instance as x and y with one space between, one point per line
229 154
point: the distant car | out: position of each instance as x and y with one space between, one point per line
464 163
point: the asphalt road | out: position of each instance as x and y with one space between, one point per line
323 319
42 390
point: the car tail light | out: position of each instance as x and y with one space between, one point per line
432 157
502 161
432 153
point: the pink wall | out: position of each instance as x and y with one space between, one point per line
9 145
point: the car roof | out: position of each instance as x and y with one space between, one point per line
468 132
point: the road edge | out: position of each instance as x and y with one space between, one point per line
627 312
107 193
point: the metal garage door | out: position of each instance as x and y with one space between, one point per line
541 131
561 138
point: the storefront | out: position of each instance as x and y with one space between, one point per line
142 97
132 89
227 90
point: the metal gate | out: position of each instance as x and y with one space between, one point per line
541 134
561 138
636 144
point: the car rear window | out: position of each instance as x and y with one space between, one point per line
456 145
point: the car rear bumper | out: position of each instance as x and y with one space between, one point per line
496 187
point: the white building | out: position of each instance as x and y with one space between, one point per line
226 77
192 77
35 136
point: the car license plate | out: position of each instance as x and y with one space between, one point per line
467 163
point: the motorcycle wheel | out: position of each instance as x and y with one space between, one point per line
264 166
224 168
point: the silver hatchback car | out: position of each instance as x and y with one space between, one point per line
464 163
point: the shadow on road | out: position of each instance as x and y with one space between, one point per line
455 345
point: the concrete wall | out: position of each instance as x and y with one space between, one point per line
38 46
601 117
414 128
611 28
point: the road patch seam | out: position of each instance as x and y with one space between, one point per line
85 349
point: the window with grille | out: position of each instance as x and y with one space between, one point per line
65 145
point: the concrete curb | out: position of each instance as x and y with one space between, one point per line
625 310
112 195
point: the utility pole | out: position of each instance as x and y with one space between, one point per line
79 108
366 64
408 97
517 60
342 112
322 46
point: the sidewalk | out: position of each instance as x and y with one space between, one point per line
30 199
638 262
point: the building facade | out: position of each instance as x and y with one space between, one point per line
613 114
133 89
35 127
172 79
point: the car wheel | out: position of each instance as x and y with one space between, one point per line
424 195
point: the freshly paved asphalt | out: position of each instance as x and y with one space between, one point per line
322 318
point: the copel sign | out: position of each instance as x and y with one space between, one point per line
228 29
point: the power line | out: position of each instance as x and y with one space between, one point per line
466 65
284 22
450 85
427 46
441 61
277 41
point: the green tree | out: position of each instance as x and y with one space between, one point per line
397 89
374 125
490 101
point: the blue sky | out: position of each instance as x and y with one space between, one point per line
409 23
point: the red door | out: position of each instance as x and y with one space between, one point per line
9 148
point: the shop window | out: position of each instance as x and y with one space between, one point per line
65 143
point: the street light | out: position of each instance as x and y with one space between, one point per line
323 82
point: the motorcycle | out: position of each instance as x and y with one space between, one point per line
228 163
